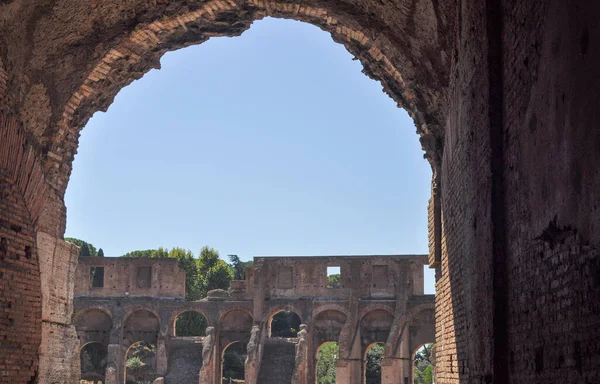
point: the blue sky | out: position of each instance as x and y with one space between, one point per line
273 143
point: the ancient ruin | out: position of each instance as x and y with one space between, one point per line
380 300
504 95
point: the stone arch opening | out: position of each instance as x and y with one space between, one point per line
284 323
373 356
422 328
129 58
327 355
93 361
233 361
423 366
141 325
190 323
140 363
375 327
139 338
93 325
327 326
235 325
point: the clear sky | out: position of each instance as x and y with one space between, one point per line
269 144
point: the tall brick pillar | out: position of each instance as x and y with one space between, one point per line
59 350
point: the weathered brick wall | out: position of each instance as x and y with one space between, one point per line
464 291
20 289
552 141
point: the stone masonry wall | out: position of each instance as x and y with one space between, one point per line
20 289
552 109
464 320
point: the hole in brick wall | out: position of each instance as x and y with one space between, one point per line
144 277
3 248
16 228
28 252
334 276
96 277
539 360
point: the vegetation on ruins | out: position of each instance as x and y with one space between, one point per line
234 358
140 363
423 372
285 324
333 281
239 267
205 273
373 366
328 354
85 249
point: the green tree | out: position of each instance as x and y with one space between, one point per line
187 262
214 272
422 366
238 267
100 252
147 253
328 355
333 281
84 251
85 248
373 366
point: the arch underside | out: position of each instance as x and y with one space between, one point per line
408 72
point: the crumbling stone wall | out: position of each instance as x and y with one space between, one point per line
505 98
398 316
20 289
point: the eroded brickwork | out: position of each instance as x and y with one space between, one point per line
389 307
505 98
20 289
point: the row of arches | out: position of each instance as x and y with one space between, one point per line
140 332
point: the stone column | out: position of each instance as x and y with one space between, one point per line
209 357
300 367
348 371
59 350
111 375
253 358
348 368
259 292
161 356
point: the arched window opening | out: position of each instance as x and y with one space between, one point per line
140 363
93 363
190 324
327 356
373 359
424 364
234 359
327 326
285 324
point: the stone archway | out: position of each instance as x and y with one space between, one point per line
504 88
83 73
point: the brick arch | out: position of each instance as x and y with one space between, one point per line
374 307
133 311
172 326
82 312
331 307
231 309
132 56
413 312
287 307
19 160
